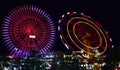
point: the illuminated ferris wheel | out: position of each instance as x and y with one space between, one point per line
80 32
28 28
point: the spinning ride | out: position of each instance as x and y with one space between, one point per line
80 32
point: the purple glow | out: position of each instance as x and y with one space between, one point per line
23 21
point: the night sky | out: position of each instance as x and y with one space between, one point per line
105 12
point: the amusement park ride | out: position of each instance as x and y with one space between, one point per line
28 27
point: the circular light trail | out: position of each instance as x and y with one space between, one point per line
27 28
80 32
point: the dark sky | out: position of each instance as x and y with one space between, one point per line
105 12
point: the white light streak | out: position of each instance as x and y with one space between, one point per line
63 16
67 46
68 13
58 28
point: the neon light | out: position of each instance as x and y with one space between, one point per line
28 28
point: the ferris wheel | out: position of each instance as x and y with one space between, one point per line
28 28
80 32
